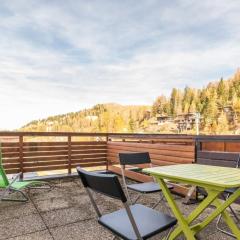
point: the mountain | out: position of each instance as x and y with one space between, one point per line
109 117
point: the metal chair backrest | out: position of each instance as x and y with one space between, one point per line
3 177
134 158
107 184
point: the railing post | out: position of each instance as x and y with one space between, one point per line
69 154
107 139
21 155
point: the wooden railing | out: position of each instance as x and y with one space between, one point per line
45 151
34 151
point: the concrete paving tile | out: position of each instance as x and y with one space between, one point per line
69 215
84 230
42 235
80 199
42 194
52 204
56 192
14 209
218 236
67 183
21 226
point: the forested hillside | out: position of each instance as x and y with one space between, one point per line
100 118
218 103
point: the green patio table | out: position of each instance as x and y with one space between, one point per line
214 180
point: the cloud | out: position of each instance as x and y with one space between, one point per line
62 56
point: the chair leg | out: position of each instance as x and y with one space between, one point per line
114 238
24 199
48 186
139 195
169 233
163 202
221 230
159 200
219 219
234 214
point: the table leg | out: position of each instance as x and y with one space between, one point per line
183 224
196 212
221 209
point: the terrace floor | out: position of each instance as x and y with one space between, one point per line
64 213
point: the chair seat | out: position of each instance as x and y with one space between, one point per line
23 184
149 222
148 187
230 190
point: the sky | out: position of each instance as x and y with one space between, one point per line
59 56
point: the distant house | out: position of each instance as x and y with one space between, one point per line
162 119
230 114
185 121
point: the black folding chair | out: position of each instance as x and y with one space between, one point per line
131 222
141 188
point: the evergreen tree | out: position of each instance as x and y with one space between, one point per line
159 106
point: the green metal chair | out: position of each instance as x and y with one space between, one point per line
16 185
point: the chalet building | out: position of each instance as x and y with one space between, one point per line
162 119
230 114
185 121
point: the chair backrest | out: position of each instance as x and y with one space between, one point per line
134 158
222 159
3 177
107 184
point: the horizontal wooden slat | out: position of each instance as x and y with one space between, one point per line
38 144
213 146
156 162
214 162
9 144
175 159
65 143
94 164
47 158
89 147
218 155
10 150
88 143
61 148
153 151
10 160
89 160
35 164
45 168
44 148
89 151
32 154
11 165
232 147
153 146
12 171
10 155
88 156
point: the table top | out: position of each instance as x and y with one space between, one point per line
197 174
